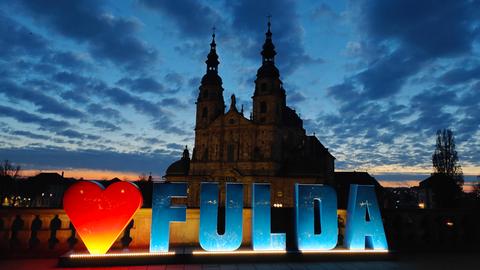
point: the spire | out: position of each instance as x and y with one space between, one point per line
211 77
212 58
233 103
268 52
268 69
186 153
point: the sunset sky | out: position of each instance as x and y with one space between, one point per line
107 88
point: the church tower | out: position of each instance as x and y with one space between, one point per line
210 102
269 96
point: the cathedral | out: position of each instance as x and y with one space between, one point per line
269 146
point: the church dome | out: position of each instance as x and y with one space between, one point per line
180 167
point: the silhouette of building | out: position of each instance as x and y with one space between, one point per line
270 146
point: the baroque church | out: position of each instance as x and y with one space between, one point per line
270 146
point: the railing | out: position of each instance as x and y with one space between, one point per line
48 232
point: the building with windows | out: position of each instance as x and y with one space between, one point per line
269 146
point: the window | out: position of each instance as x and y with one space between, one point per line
205 112
263 107
205 93
263 87
230 149
232 121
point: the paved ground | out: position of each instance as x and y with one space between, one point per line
437 261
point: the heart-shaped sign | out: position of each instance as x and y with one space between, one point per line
99 215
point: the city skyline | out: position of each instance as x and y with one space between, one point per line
110 90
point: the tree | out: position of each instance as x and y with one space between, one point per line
8 170
8 174
445 157
476 188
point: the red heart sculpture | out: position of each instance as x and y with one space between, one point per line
100 215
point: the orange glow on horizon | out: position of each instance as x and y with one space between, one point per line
87 174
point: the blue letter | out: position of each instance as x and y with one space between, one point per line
231 240
262 239
305 197
163 213
362 203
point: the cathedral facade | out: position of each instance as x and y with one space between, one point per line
270 146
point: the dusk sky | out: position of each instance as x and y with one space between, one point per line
108 88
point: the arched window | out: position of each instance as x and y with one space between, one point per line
205 112
263 107
205 93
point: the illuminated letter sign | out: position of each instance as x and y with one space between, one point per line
100 216
262 238
305 198
364 222
163 213
209 238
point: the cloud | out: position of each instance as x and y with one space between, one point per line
104 111
30 135
122 97
105 125
249 25
16 40
44 103
460 75
142 85
385 114
59 158
108 37
77 135
29 118
193 18
67 60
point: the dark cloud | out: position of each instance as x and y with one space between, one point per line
73 134
104 111
67 60
324 11
173 103
69 78
249 24
175 79
460 75
30 135
175 146
295 97
105 125
29 118
108 37
167 125
59 158
193 18
405 36
16 40
142 85
122 98
422 27
44 103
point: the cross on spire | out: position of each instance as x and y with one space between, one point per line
268 20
